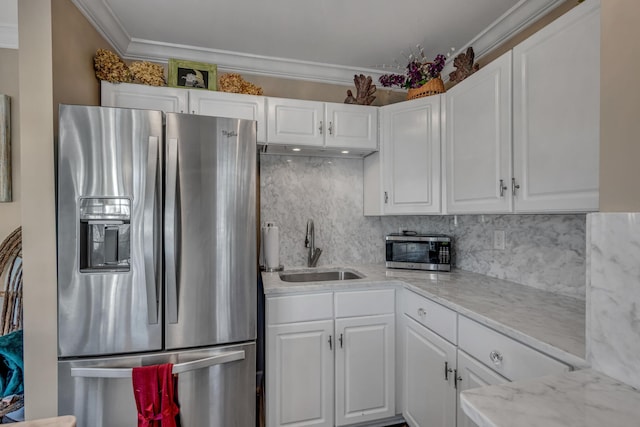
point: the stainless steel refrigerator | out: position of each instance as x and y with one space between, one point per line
156 262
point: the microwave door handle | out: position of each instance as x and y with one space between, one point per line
170 231
149 231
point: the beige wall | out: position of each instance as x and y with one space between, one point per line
298 89
56 66
38 208
620 107
75 42
10 212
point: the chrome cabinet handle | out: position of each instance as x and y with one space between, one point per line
148 229
330 128
456 378
330 343
340 339
514 186
170 231
502 187
447 371
422 312
386 197
496 357
320 128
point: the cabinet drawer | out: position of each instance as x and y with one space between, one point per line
299 308
365 303
434 316
508 357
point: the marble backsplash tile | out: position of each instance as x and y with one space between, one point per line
543 251
613 295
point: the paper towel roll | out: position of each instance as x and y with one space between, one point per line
271 243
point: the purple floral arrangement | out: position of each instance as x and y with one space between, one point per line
418 73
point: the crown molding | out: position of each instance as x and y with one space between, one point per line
8 36
103 19
228 61
520 16
100 15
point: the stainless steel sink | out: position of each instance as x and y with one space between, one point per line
320 276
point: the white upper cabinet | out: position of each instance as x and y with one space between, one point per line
404 178
557 114
292 121
299 123
237 106
352 126
194 101
478 141
127 95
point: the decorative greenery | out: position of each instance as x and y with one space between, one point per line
418 72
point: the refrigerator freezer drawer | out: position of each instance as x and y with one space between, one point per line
99 391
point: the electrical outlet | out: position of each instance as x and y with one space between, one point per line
498 239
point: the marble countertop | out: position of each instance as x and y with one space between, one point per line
583 398
551 323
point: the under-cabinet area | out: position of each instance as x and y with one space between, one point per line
398 346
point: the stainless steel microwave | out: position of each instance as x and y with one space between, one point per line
418 251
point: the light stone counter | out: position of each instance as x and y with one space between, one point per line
583 398
546 321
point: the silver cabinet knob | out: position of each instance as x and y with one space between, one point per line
496 357
422 312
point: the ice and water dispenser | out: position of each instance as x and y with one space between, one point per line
105 234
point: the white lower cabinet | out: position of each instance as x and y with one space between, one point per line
326 370
300 374
429 395
365 369
472 374
463 354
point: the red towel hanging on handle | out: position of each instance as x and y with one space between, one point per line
154 394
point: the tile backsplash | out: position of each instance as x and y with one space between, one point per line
543 251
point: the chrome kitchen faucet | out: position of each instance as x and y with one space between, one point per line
310 242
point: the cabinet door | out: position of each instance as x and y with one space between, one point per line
410 151
299 374
473 374
365 369
234 105
429 393
352 127
295 122
557 114
126 95
478 141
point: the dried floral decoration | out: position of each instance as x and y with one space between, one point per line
110 67
147 73
364 91
464 66
418 72
234 83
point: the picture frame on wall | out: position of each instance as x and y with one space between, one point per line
5 148
192 75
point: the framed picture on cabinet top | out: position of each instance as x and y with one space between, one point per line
192 75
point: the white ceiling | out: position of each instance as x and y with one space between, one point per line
322 40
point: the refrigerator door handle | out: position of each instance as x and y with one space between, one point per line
169 231
218 359
149 231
